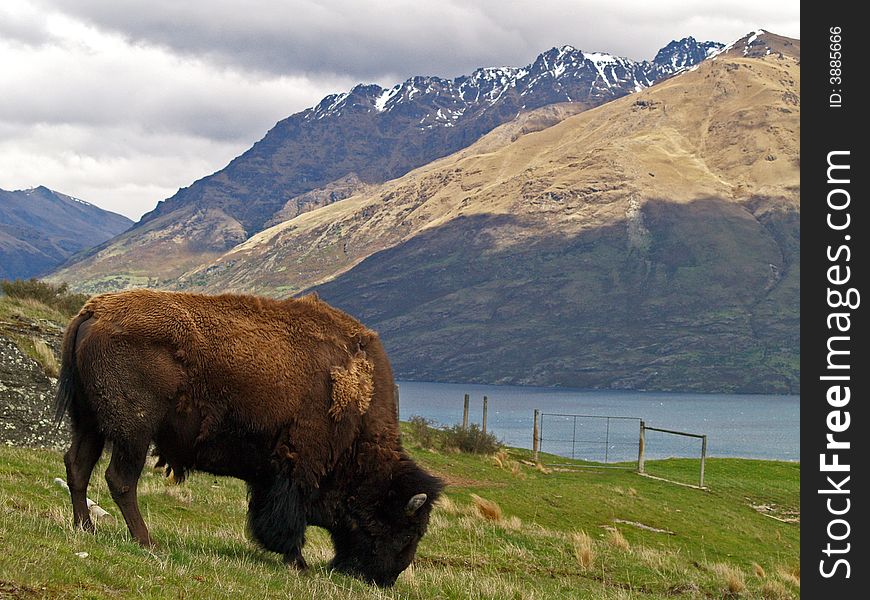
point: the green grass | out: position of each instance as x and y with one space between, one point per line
28 308
532 552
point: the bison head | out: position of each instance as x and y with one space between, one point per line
377 536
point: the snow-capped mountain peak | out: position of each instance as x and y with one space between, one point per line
560 74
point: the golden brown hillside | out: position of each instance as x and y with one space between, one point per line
728 130
650 243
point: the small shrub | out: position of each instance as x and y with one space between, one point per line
471 440
487 509
56 296
423 432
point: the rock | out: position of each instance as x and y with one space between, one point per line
26 393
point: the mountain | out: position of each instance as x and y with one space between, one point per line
362 137
41 228
682 54
652 242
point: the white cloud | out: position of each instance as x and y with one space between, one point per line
121 124
122 102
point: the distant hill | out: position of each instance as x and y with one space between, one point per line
41 228
365 136
649 243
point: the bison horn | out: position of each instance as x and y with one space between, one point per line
415 503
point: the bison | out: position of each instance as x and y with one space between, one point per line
294 397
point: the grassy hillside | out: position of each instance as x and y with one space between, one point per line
557 536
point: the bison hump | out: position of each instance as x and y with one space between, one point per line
352 386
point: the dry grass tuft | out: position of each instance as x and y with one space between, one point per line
46 358
632 492
791 575
447 505
541 468
584 549
516 471
503 461
487 509
617 540
758 570
730 576
652 557
774 590
180 493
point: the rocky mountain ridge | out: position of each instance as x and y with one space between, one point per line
41 228
365 136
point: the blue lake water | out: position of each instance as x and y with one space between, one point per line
748 426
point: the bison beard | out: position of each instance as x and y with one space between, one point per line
294 397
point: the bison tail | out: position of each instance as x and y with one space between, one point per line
68 383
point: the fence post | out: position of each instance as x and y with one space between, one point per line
535 436
396 393
703 457
484 415
640 447
465 413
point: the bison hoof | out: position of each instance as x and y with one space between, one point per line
86 526
295 561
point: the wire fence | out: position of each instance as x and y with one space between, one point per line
599 440
616 442
691 446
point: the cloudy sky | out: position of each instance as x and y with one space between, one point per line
121 102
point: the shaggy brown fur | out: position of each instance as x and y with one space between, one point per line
352 387
295 397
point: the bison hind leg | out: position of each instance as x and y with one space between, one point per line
276 518
125 467
80 460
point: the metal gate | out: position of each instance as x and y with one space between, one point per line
600 441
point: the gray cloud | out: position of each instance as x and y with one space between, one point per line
381 39
123 102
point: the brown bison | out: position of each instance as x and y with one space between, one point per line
294 397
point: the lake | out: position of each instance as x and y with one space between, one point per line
745 425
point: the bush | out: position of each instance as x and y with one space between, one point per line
423 431
472 440
56 296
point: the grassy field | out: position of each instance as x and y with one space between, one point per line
586 534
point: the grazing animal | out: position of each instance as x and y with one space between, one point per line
294 397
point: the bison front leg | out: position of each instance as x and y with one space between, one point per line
276 518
